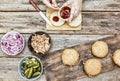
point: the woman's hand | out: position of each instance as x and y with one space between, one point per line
76 6
51 4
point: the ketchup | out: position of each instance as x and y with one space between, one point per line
65 12
55 18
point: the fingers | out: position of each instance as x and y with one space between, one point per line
76 7
67 3
48 4
53 5
74 13
71 14
77 11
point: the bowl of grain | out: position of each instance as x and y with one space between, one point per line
39 43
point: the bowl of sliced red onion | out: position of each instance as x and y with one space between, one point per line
12 43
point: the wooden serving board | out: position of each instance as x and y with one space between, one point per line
55 70
63 27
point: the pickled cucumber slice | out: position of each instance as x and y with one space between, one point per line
23 74
36 66
30 73
36 74
30 67
34 69
27 71
38 69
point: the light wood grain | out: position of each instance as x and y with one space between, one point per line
24 1
58 42
8 65
99 17
54 65
28 22
10 73
9 70
110 76
88 5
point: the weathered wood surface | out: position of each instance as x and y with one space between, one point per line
8 65
109 76
93 23
55 70
58 42
89 5
99 17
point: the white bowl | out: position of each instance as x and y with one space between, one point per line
20 70
3 39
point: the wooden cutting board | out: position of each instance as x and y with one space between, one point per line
63 27
55 70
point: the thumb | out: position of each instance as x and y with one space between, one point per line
71 15
54 3
66 4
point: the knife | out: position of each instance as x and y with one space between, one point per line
40 12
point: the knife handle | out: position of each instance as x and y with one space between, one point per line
34 5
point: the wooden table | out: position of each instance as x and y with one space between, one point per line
101 18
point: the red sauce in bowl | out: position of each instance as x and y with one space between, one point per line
65 12
56 18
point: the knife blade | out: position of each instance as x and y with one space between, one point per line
40 12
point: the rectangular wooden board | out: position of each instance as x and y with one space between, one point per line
55 70
63 27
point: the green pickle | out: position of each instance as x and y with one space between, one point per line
23 74
30 73
36 66
31 67
36 74
22 68
27 71
34 69
38 69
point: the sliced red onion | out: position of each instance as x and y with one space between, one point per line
12 43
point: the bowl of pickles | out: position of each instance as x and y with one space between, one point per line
30 68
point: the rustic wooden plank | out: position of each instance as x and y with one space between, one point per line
59 42
8 68
9 2
88 5
53 63
23 1
93 23
8 65
109 76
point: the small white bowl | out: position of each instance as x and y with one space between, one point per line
3 39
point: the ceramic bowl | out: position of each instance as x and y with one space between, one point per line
20 70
